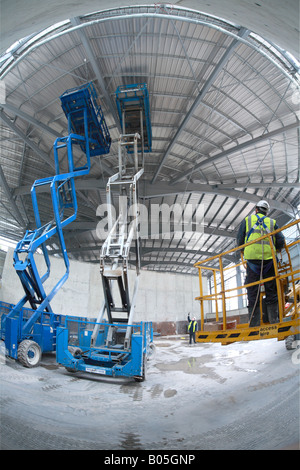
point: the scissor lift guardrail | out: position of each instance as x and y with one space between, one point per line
224 331
134 114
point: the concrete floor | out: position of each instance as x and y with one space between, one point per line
208 396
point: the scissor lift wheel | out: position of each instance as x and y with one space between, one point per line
29 353
290 342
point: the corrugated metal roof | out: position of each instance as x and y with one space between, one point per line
224 113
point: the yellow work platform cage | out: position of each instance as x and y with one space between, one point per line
226 330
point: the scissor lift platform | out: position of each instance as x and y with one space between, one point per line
106 357
73 101
134 114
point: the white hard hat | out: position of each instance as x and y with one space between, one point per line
263 205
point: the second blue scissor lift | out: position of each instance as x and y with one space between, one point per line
117 345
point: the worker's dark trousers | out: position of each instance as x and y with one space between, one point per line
252 291
192 337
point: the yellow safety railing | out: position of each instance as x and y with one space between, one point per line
284 275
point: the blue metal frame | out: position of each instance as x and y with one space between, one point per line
86 128
12 328
117 347
101 358
135 96
75 99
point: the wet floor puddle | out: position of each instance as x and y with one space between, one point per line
192 365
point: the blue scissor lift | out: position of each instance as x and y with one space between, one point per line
29 332
117 346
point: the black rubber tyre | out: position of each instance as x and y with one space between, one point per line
152 351
75 351
289 342
29 353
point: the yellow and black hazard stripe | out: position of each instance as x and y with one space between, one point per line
244 333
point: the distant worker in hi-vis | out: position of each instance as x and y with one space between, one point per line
260 261
192 328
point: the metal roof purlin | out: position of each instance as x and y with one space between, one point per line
163 189
17 213
87 47
242 33
30 119
237 148
29 142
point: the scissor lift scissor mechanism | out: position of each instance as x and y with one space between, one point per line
86 129
133 107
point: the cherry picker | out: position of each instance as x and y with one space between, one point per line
227 330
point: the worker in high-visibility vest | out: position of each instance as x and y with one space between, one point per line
192 328
260 261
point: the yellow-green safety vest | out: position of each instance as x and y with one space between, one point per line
194 323
258 225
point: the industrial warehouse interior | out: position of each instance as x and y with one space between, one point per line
142 146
